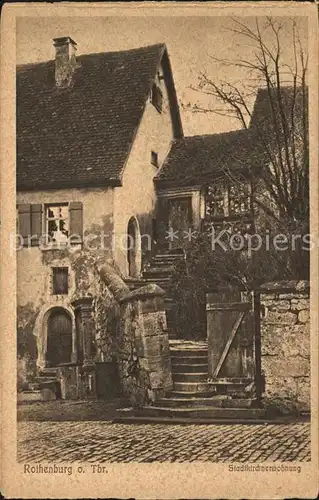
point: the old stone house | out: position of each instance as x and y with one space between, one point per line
92 132
104 176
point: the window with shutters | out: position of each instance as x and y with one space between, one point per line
57 223
29 224
60 280
50 225
157 98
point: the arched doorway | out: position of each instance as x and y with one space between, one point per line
133 248
59 337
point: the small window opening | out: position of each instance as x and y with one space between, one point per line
60 280
154 158
157 98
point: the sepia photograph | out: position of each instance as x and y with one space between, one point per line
163 242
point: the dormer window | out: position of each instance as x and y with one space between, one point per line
157 98
154 158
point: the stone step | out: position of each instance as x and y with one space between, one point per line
46 380
48 372
130 419
171 255
189 352
201 412
157 268
193 387
164 279
28 396
190 377
189 395
195 367
215 401
230 380
234 387
189 360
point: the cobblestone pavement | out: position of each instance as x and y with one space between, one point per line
114 442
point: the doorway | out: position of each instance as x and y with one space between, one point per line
133 248
59 337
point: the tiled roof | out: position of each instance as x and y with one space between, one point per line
193 160
264 107
82 135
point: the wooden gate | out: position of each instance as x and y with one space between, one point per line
233 334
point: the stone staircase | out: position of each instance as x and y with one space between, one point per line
49 384
159 271
45 388
196 398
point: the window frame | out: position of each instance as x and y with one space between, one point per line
157 97
228 214
154 158
47 219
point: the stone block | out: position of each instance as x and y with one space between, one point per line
303 394
280 305
152 347
143 362
48 394
304 316
299 304
152 304
303 285
164 345
153 324
267 297
296 341
270 339
281 387
139 346
156 380
154 363
286 296
280 318
277 367
167 378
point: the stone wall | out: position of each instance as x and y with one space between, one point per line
285 346
140 344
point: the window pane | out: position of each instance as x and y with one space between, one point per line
52 227
215 201
57 222
239 199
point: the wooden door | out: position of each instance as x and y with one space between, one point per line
180 221
174 217
59 345
230 334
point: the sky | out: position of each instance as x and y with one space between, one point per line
192 43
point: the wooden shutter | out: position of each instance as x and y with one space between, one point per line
76 220
24 212
36 224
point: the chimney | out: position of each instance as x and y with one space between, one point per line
65 61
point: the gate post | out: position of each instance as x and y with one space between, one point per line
257 346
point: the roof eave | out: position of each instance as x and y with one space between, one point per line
69 185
